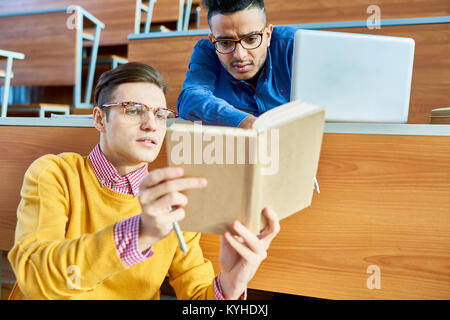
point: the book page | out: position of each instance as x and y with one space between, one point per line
289 156
282 114
222 156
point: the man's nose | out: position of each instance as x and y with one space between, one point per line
239 52
149 121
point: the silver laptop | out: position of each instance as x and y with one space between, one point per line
356 77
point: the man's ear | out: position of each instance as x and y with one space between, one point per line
269 33
99 118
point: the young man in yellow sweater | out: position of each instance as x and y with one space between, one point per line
100 226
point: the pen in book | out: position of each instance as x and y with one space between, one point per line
177 229
316 185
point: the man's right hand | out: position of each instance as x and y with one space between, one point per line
160 191
247 123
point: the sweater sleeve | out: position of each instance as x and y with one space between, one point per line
46 264
191 275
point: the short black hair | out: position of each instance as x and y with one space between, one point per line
231 6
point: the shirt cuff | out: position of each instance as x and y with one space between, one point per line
236 119
219 294
126 235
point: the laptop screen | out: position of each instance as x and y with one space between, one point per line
356 77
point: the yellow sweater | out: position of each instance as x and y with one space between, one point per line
64 238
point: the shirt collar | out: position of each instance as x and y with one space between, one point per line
108 176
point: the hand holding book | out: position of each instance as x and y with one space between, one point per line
272 164
242 254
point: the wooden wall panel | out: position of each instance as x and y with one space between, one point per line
430 86
48 45
305 11
384 201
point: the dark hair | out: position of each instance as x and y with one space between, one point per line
231 6
125 73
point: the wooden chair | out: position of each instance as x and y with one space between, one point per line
8 75
53 41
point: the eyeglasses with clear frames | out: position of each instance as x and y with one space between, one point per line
136 111
248 42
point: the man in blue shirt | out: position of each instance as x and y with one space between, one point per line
243 70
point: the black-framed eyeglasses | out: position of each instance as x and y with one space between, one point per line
248 42
136 111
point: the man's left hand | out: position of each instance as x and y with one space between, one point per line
241 255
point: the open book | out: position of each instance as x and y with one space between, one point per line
273 164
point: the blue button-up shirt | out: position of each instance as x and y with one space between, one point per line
211 95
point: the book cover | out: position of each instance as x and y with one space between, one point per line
273 164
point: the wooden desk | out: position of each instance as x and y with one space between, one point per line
170 54
385 202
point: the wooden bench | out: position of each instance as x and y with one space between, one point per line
384 202
431 74
52 42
